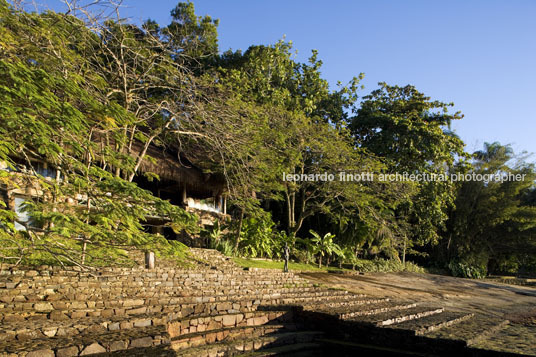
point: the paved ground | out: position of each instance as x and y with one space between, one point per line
516 304
480 295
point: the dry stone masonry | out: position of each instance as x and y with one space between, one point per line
213 309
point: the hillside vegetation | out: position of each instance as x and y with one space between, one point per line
89 95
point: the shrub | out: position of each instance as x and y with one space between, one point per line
467 269
386 266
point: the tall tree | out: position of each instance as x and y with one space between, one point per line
492 220
193 38
85 214
411 133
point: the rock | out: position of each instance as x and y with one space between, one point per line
6 298
118 346
29 334
78 314
174 329
67 352
107 313
260 320
92 349
125 325
43 306
239 318
229 320
142 342
78 305
58 315
50 332
10 318
187 310
142 323
139 310
60 305
41 353
134 302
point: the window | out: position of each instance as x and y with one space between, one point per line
21 214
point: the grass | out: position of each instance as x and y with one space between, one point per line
377 265
273 264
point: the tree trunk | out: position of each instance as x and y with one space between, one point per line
404 251
84 248
238 230
289 213
143 152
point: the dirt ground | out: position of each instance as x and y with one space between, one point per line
488 297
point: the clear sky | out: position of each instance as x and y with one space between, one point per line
481 55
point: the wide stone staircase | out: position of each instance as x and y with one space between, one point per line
214 309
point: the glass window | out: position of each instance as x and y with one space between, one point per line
21 215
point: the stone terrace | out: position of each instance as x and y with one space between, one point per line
213 309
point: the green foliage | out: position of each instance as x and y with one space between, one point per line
196 37
411 132
324 246
90 215
101 97
258 238
386 266
226 247
494 221
366 266
467 270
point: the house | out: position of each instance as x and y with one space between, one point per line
180 182
184 185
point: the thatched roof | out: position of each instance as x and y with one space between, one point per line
177 169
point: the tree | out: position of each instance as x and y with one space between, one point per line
492 222
305 132
411 133
86 214
325 246
193 38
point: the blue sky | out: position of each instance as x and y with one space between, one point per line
481 55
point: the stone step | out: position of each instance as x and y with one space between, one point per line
317 301
184 328
335 303
227 335
79 309
239 347
215 319
398 316
89 344
296 349
55 294
10 301
113 275
96 295
433 322
373 309
131 279
473 330
154 283
10 281
131 282
510 339
228 327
